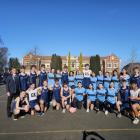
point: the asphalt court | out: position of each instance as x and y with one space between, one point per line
57 126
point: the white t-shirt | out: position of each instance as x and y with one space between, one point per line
134 93
87 73
32 95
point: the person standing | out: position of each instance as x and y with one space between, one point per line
12 89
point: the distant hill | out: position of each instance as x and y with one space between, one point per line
129 67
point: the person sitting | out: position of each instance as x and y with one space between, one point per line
20 106
135 101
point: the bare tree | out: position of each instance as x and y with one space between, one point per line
3 56
133 59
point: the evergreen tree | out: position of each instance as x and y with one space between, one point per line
81 62
14 63
56 62
95 64
69 62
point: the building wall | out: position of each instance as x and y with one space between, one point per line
108 63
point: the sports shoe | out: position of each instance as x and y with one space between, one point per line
136 121
15 118
41 114
97 111
106 112
22 117
119 115
87 111
64 110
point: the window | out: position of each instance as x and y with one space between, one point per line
115 65
109 65
73 64
48 66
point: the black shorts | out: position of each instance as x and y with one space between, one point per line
79 104
93 102
68 101
110 105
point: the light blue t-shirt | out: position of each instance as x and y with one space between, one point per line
100 79
91 94
111 95
50 79
94 82
79 92
107 81
71 80
115 79
101 94
78 78
59 76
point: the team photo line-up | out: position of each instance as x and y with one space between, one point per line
69 91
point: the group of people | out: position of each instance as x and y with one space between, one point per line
69 91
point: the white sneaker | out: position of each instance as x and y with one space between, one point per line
22 117
64 110
87 111
119 115
106 112
15 119
136 121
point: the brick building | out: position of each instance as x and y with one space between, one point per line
108 63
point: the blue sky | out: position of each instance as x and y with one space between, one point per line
58 26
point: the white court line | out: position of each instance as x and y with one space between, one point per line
66 131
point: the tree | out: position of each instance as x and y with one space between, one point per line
69 62
3 56
133 58
95 65
56 62
128 67
14 63
81 62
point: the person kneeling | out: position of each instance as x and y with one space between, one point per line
33 102
65 97
101 96
135 102
79 95
20 105
56 95
44 98
111 98
91 98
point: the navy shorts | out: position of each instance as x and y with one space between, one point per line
57 99
33 104
45 98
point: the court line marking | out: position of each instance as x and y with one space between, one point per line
65 131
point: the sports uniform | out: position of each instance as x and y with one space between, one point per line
71 80
79 93
42 77
56 93
86 80
24 81
107 81
94 81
